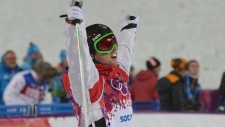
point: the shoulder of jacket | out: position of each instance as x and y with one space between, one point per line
172 78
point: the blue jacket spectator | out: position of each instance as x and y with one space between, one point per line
33 55
63 62
8 67
192 87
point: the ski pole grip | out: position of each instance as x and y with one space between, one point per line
62 16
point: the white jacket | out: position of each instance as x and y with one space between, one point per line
24 89
91 74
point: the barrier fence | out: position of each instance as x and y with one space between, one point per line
62 108
59 115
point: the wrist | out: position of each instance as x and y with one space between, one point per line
73 22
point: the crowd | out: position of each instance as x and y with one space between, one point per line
33 81
179 90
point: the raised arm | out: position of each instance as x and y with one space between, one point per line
90 71
126 42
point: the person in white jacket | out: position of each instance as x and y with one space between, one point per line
106 69
29 87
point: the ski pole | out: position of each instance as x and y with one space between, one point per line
84 105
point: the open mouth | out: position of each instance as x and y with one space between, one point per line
114 55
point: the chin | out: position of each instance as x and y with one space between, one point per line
114 64
12 66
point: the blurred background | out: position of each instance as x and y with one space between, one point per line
191 29
167 29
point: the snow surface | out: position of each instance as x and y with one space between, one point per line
193 29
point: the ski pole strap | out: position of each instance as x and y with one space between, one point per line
129 26
73 22
63 16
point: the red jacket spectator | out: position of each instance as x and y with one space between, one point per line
144 86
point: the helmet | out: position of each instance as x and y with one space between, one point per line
95 32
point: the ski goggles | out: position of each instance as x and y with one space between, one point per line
106 44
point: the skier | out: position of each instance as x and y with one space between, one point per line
106 70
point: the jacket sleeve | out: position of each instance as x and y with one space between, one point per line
12 91
125 48
222 85
177 96
91 75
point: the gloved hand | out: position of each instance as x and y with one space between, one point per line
75 13
130 23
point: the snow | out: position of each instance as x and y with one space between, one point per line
192 29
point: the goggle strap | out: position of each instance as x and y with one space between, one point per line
102 38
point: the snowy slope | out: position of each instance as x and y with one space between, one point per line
192 29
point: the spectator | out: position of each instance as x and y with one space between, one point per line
222 92
171 87
63 64
192 87
144 86
33 55
8 67
30 86
131 76
59 94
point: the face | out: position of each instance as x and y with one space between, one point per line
107 59
157 70
10 60
193 68
131 73
40 58
42 79
35 56
65 63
